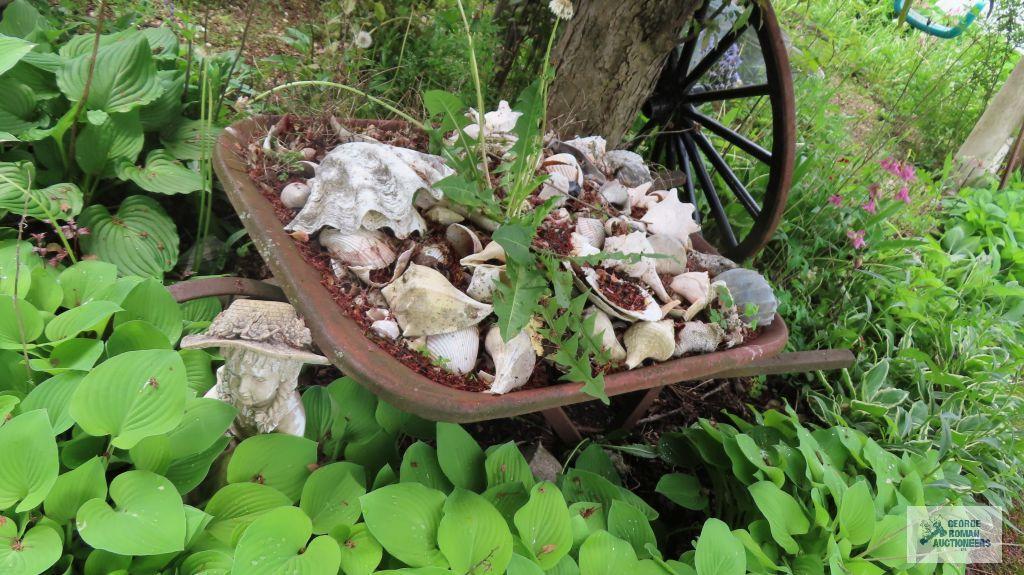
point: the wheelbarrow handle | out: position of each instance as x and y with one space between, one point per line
221 286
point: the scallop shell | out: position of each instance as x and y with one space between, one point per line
698 337
592 230
627 166
434 254
670 216
425 303
695 287
675 261
361 185
484 282
750 288
457 351
564 164
604 329
649 340
362 248
491 252
651 312
443 216
386 328
463 240
294 195
514 360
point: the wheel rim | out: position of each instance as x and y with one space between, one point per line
682 134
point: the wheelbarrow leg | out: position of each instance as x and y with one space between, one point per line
563 426
634 406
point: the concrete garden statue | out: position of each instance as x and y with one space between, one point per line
264 344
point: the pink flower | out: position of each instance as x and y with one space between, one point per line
871 207
874 191
836 200
903 195
857 239
908 173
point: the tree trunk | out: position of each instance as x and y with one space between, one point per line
608 61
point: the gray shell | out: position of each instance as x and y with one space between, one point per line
750 287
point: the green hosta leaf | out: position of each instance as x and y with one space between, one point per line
149 517
78 354
595 460
507 499
54 396
85 279
404 518
520 565
331 496
90 316
102 147
124 76
857 514
22 20
19 111
136 335
7 405
162 174
106 563
683 490
30 461
587 518
20 322
18 194
45 293
460 457
72 489
319 413
238 504
189 139
17 262
604 554
198 366
207 562
516 299
719 552
278 460
394 420
165 109
31 554
150 301
132 396
360 552
374 452
204 422
628 523
140 239
420 464
12 50
506 463
279 542
473 536
544 525
356 408
162 41
783 512
580 485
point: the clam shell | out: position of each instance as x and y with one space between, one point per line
514 360
294 195
671 216
649 340
362 248
592 230
491 252
750 288
444 216
604 329
484 282
456 350
698 337
463 240
386 328
425 303
651 311
670 246
581 247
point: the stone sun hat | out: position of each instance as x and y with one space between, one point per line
268 327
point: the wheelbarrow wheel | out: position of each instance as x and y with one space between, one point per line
729 136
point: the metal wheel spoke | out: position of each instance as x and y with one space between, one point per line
713 56
734 138
682 65
729 94
704 179
659 148
727 174
684 163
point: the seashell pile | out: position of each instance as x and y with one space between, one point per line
431 269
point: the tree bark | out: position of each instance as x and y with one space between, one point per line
608 61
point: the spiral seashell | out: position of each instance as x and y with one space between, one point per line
425 303
443 216
695 287
492 252
675 261
483 283
457 351
386 328
363 248
615 194
294 195
565 164
463 240
750 288
604 329
592 230
649 340
698 337
514 360
671 216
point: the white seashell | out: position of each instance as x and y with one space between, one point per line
593 147
645 269
616 194
639 198
484 282
592 230
698 337
463 240
581 247
361 185
491 252
294 195
748 287
695 287
556 186
457 350
387 328
308 154
649 340
627 166
671 216
502 120
651 311
615 226
514 360
713 263
308 168
433 254
566 165
378 313
604 329
443 216
362 248
425 303
670 246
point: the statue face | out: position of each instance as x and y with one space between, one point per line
256 379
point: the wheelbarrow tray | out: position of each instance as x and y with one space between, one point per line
343 341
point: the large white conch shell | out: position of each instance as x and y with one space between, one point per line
456 351
363 185
645 269
649 340
425 303
671 216
514 360
484 282
362 248
674 251
492 252
603 327
695 287
698 337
